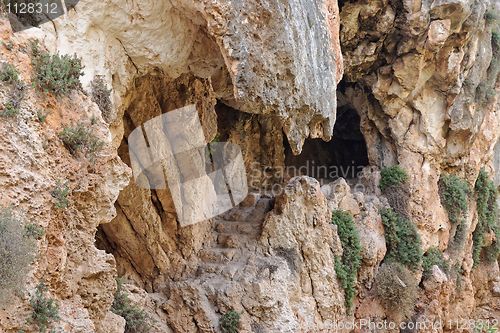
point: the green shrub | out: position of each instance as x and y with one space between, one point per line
391 176
396 288
487 211
60 194
34 231
456 273
56 73
9 73
35 49
491 17
460 236
41 116
434 257
229 322
101 95
398 197
9 45
454 192
16 253
12 107
10 110
45 310
348 265
81 139
136 319
402 240
495 39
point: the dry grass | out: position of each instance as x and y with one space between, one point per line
397 288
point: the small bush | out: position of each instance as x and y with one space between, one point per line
491 17
9 73
229 322
460 236
8 45
34 231
347 266
80 138
16 253
487 211
136 319
454 192
402 240
10 110
398 197
392 176
397 288
60 194
41 116
434 257
56 73
13 106
495 39
45 310
101 96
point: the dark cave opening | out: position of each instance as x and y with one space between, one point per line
343 156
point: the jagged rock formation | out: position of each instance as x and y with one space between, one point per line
421 75
255 54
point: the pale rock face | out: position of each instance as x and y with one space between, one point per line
255 53
300 223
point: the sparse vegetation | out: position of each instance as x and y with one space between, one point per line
10 110
434 257
136 319
347 266
101 95
16 253
487 211
454 192
9 73
34 231
491 16
45 310
495 38
56 73
396 287
229 322
391 176
8 45
41 116
81 139
402 239
13 105
460 236
398 197
60 194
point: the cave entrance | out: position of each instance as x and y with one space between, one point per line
342 157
